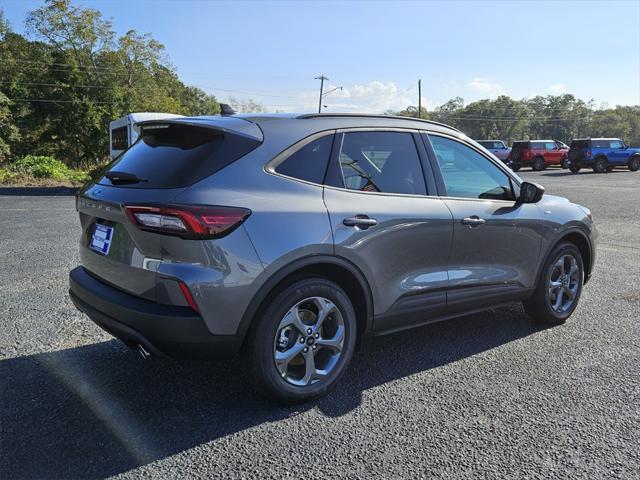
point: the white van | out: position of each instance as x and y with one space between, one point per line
123 132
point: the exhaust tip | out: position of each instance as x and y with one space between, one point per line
144 353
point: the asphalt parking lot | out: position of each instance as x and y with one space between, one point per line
489 395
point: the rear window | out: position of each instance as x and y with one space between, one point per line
580 143
175 155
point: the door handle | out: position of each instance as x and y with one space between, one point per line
473 221
360 221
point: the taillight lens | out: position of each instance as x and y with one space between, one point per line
191 222
587 153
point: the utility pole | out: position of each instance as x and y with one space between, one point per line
419 98
322 78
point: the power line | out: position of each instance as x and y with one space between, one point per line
48 100
54 84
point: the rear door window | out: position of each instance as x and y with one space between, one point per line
177 155
381 162
309 162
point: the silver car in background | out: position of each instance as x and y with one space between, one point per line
289 238
497 147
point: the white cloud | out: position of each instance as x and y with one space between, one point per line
373 97
486 87
557 89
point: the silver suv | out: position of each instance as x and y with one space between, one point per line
290 238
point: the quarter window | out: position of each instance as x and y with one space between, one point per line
381 162
467 173
309 162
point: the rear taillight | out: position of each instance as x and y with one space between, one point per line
587 153
186 221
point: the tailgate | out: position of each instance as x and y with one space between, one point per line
111 248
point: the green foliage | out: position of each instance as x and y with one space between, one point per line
71 76
561 117
41 169
40 166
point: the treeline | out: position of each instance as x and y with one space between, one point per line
62 84
561 117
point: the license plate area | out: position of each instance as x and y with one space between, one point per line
101 238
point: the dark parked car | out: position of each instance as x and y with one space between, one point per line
497 147
602 154
538 154
290 238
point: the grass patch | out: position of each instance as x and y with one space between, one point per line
44 171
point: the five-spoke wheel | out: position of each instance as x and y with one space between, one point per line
309 341
303 341
558 290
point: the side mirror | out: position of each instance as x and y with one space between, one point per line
530 192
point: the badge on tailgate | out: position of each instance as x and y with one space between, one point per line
101 239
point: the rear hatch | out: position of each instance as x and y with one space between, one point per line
168 158
577 149
517 151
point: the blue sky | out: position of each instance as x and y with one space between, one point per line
271 51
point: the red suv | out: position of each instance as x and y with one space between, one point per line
538 154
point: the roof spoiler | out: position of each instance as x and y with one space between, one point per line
228 125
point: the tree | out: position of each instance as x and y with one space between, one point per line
71 77
8 131
245 106
412 111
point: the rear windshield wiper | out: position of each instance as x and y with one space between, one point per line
123 177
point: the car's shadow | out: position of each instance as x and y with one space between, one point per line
567 173
38 191
99 410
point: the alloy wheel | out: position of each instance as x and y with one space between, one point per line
564 283
309 341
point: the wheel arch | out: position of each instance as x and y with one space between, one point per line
336 269
578 238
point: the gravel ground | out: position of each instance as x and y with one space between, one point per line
488 395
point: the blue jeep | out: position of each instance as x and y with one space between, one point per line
602 154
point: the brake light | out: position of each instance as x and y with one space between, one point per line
186 221
587 153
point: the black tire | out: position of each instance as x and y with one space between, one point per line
600 165
538 306
262 338
538 164
574 168
564 163
515 166
634 163
609 169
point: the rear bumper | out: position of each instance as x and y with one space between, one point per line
161 329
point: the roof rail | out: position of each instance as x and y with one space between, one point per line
372 115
